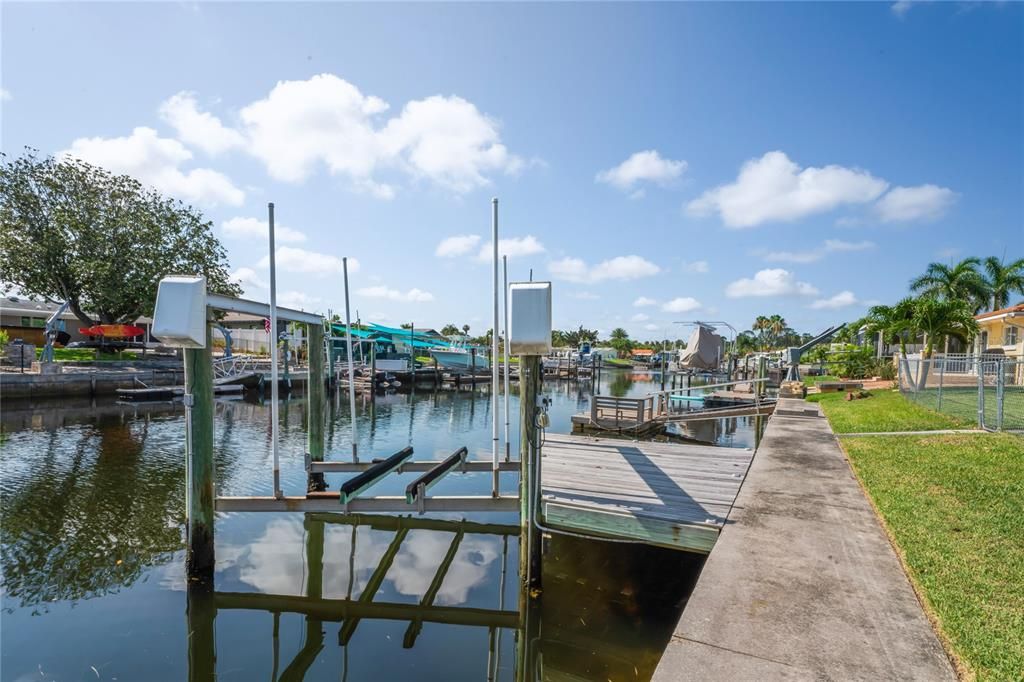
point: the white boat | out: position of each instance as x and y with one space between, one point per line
459 356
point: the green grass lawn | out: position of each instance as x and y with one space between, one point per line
962 402
954 504
812 381
85 354
885 410
618 362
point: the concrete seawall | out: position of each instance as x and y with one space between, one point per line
802 583
16 386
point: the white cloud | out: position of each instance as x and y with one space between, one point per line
618 268
448 141
901 7
294 259
327 121
651 327
840 300
457 246
774 188
513 248
298 300
156 161
925 202
249 228
198 128
644 301
830 246
699 267
682 304
248 278
412 295
5 95
771 282
640 317
645 166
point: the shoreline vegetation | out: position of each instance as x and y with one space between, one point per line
953 507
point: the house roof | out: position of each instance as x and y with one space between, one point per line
643 351
14 305
1012 310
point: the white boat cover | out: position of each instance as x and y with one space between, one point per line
703 350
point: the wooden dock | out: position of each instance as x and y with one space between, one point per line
670 495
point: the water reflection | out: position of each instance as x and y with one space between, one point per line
602 614
92 554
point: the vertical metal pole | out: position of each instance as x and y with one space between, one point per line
508 367
1000 386
981 394
199 555
274 388
494 351
330 346
351 368
529 537
315 431
942 374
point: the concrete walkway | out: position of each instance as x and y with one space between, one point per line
802 584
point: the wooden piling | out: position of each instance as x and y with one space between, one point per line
315 402
199 555
529 537
200 616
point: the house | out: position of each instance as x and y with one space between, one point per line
25 319
642 354
1001 332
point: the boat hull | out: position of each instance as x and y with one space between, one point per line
460 361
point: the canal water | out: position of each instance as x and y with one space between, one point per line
92 520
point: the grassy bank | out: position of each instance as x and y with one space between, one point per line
954 504
86 355
885 410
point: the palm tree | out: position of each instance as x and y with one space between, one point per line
761 326
958 282
940 318
776 324
1003 280
894 322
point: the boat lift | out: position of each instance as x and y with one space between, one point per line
182 318
794 353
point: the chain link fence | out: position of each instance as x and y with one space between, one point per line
987 390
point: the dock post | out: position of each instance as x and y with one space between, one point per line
199 555
759 390
437 375
529 488
315 430
200 618
472 360
373 373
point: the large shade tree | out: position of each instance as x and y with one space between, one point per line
74 232
1003 280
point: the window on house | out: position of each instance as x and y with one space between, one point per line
26 321
1010 336
38 321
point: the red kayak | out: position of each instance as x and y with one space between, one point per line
113 331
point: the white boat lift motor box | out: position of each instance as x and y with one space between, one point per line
529 318
179 319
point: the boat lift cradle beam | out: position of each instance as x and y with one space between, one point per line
357 484
417 490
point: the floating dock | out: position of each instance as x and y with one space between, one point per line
670 495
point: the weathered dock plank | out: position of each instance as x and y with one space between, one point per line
670 495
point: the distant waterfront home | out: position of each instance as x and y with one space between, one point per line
25 319
642 355
1001 331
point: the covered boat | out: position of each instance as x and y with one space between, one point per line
703 350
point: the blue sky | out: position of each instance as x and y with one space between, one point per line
657 162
